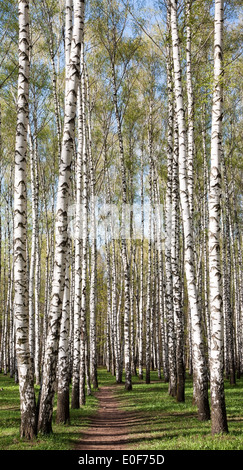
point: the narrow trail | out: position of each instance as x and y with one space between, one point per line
109 428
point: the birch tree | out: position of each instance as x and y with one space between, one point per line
78 258
149 270
63 415
168 212
175 267
93 290
84 230
25 371
141 299
199 370
50 361
190 100
219 420
112 49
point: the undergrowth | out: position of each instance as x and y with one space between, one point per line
161 423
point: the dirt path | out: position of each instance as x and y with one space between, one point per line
109 427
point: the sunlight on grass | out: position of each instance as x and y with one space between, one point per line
168 425
64 437
158 422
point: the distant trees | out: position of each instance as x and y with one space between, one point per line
120 215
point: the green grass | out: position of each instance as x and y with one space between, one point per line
165 424
159 422
64 437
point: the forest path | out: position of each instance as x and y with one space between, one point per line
110 427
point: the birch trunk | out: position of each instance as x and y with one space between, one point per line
84 232
163 330
239 276
0 215
47 271
114 325
93 291
133 267
71 313
11 329
141 299
7 305
127 345
237 272
109 310
34 272
63 415
149 299
77 260
37 363
33 253
51 352
148 303
205 233
56 103
190 110
199 366
49 19
25 372
229 328
4 316
177 287
115 318
219 420
168 205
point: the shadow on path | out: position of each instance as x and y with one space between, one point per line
110 427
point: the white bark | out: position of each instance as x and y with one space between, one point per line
149 299
177 285
84 233
168 212
199 370
50 362
77 260
63 353
109 332
34 272
190 110
219 421
205 226
68 34
93 291
127 345
141 299
27 396
33 253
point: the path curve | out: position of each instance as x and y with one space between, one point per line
109 428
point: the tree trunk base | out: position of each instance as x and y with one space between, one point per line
203 409
63 415
75 397
28 429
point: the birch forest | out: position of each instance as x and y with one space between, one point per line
121 193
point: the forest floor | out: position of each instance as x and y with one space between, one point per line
110 427
146 417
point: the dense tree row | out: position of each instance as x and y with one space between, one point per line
121 199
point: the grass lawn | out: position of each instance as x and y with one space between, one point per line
161 423
64 437
167 425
